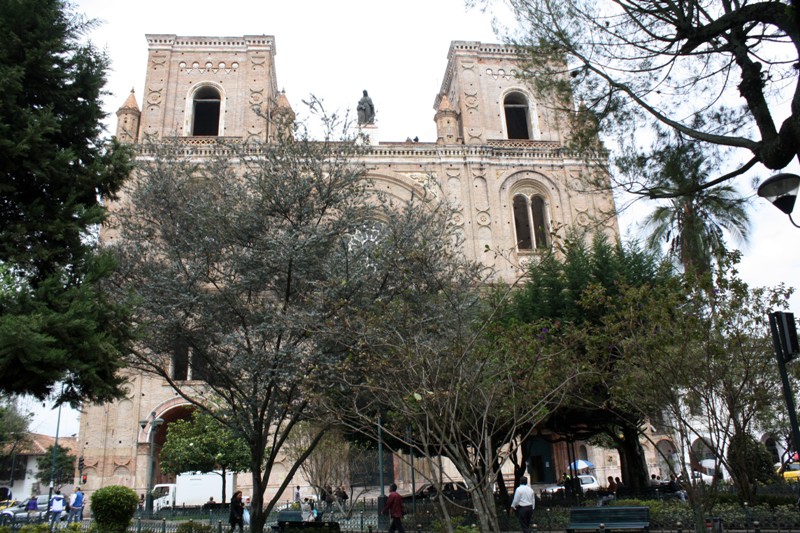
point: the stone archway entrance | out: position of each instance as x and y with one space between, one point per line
667 458
169 412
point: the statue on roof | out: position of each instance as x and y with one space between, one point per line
366 110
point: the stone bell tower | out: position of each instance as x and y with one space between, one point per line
209 87
483 86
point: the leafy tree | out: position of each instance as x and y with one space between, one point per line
718 73
203 445
62 470
578 288
692 224
13 436
751 462
704 360
55 326
241 264
334 462
427 359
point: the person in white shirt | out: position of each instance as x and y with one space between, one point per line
523 504
56 508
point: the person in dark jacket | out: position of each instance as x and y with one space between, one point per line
394 508
237 512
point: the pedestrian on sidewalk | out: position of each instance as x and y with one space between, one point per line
523 503
394 508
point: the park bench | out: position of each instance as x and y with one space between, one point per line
608 518
291 520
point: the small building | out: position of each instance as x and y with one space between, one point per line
18 473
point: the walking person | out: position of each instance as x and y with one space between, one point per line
32 506
523 503
394 508
75 506
56 508
341 495
237 512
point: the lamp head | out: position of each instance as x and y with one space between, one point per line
781 190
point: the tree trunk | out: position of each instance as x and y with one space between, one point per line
632 459
257 516
502 490
483 500
223 484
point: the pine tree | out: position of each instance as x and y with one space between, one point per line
55 325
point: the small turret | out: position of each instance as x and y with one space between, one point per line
128 117
446 119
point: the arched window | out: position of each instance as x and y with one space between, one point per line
518 124
530 222
205 112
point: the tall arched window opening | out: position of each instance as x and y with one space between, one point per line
517 116
539 221
530 222
205 115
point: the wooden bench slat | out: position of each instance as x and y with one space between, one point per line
612 518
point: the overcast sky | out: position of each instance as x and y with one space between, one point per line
334 49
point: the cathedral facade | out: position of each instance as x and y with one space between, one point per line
500 156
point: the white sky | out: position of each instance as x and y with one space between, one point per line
334 49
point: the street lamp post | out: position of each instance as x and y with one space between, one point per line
781 190
784 340
154 423
53 465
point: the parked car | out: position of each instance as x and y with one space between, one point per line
5 504
18 512
790 471
588 482
699 477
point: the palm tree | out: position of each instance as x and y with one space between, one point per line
693 222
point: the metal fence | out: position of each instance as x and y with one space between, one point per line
358 521
549 516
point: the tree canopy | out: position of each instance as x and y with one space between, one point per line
721 73
579 289
700 363
203 445
61 470
424 354
54 325
693 226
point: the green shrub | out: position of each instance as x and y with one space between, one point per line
547 517
458 525
777 500
191 527
35 528
113 508
5 529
